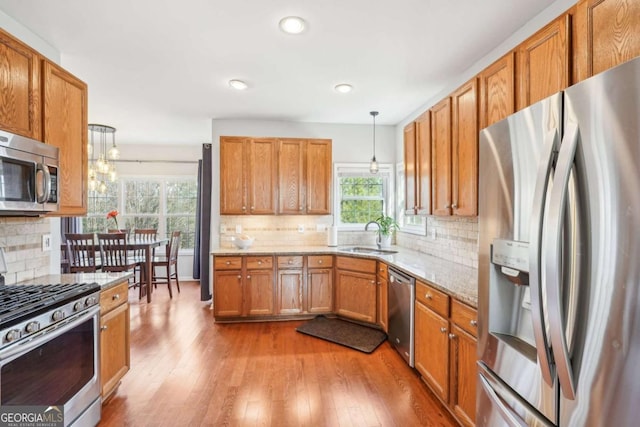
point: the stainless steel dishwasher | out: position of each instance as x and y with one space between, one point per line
402 294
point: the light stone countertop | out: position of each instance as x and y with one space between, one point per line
459 281
105 280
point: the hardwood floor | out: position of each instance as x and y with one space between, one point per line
187 370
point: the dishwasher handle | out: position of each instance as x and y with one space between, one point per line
400 278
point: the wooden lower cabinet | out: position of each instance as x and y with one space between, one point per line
259 292
228 293
114 338
320 290
432 349
463 355
356 295
289 291
383 296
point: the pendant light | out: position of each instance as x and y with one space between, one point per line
373 167
102 168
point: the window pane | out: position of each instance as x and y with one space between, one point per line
360 211
186 225
182 197
142 197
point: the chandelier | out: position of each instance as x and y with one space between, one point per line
102 168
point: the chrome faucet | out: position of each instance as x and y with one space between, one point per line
379 239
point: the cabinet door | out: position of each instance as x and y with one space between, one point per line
228 293
233 180
65 126
497 90
114 348
464 162
290 176
608 34
263 173
543 62
423 164
320 290
410 176
432 349
20 88
289 293
441 157
259 292
383 303
356 295
463 374
318 177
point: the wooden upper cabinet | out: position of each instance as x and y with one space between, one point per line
543 62
65 126
233 175
20 106
441 157
464 163
410 176
607 33
291 158
263 176
318 186
497 90
423 163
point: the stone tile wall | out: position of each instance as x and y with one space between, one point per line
21 239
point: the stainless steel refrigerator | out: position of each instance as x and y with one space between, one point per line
559 259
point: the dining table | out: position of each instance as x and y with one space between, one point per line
146 245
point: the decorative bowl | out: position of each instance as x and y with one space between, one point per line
242 241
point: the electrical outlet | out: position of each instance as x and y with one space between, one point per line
46 242
238 229
300 228
223 229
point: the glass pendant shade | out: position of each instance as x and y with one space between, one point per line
101 166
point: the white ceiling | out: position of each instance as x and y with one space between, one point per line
157 70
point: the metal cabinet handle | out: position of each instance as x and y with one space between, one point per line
319 261
452 336
473 322
244 208
103 328
259 262
454 206
428 296
290 261
228 262
239 276
300 208
447 206
253 207
115 297
373 282
248 277
443 330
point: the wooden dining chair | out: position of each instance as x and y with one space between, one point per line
139 256
169 262
113 252
81 253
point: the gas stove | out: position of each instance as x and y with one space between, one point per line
27 309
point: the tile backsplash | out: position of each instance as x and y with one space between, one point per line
21 239
456 239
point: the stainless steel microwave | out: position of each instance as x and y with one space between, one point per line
29 172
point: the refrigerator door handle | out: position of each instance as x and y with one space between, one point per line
553 256
535 283
507 413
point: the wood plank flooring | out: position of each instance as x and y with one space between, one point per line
187 370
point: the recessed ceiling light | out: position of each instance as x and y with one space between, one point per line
292 24
238 84
343 88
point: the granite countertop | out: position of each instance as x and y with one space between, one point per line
105 280
457 280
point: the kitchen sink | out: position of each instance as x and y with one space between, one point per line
369 251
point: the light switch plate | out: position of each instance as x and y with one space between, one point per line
238 229
46 242
300 228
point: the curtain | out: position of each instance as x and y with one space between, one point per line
203 224
69 224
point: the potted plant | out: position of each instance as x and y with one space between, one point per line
388 226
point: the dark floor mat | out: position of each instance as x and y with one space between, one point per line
344 333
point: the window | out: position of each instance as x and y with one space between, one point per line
360 195
413 224
165 204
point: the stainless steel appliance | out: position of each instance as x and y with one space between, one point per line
49 349
28 176
558 274
402 295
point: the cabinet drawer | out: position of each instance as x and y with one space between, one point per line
290 261
383 270
113 297
356 264
320 261
432 298
259 263
465 317
228 263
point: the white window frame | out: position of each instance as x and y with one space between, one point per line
385 170
418 229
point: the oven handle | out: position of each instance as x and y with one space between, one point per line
48 334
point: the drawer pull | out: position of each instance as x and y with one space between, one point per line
115 297
103 328
228 262
290 261
239 277
319 261
248 277
452 336
428 296
474 323
443 330
259 262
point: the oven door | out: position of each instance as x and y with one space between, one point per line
58 366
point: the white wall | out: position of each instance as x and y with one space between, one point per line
22 33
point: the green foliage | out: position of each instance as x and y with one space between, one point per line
387 224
